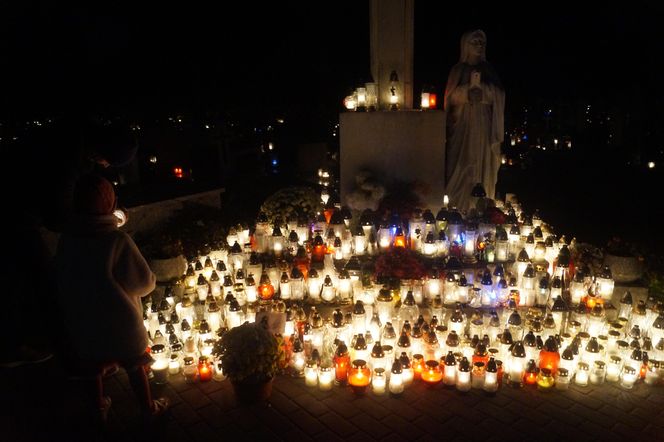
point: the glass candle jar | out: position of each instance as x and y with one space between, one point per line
598 373
341 363
174 364
218 368
581 376
628 377
418 366
545 380
325 377
652 375
160 365
432 374
378 381
449 371
190 369
396 380
463 375
359 376
311 374
562 379
614 368
478 375
205 369
491 378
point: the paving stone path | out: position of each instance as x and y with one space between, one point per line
40 403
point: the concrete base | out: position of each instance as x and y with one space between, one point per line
402 145
639 292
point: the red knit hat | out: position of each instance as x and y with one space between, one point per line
94 195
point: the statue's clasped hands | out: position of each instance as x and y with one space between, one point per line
475 94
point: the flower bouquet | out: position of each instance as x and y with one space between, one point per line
292 203
399 263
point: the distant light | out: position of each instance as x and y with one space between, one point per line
207 126
555 141
512 142
651 165
115 183
280 120
179 120
270 146
350 103
121 216
274 162
177 171
543 147
153 159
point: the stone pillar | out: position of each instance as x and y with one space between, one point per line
391 25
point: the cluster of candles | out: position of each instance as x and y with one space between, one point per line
526 315
532 350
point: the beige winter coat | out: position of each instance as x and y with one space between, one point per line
102 276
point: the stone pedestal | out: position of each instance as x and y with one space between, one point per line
402 145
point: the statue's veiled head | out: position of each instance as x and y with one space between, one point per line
473 47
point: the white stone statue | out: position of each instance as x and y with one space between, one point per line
475 105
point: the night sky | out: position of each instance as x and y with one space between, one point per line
304 56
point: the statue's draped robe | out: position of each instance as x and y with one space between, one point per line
475 132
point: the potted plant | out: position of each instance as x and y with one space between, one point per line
624 260
250 361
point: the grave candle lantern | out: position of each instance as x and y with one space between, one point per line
581 376
628 378
325 377
490 385
463 375
545 380
204 369
341 363
396 380
378 381
311 374
450 371
432 374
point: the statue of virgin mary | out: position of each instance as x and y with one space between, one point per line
475 106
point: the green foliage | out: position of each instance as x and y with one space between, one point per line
188 231
654 276
655 284
251 353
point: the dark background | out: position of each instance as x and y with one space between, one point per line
277 55
297 60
